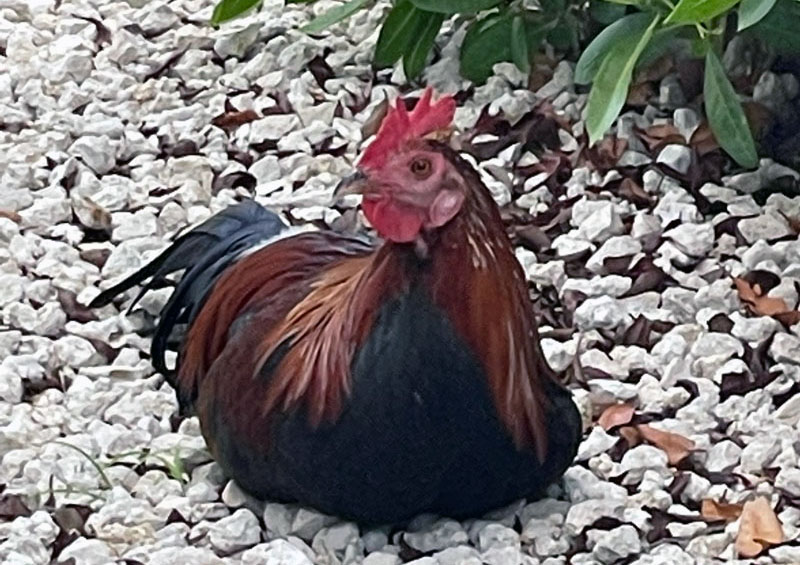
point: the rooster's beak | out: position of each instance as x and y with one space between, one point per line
354 183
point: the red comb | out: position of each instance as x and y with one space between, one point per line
400 125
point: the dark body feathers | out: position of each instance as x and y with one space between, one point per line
346 376
419 432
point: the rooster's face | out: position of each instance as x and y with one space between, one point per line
415 189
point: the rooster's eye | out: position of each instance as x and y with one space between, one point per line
421 168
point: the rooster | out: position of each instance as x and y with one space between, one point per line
371 379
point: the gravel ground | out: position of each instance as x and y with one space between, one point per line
675 284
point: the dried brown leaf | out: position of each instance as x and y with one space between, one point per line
639 94
74 309
11 215
233 180
659 136
631 435
533 238
789 318
615 415
757 303
164 67
638 333
606 154
703 140
234 119
633 191
712 510
320 69
102 33
764 280
373 122
721 323
759 528
794 222
12 506
674 445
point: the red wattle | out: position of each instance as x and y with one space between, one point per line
398 224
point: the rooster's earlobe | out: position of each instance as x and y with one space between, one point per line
444 208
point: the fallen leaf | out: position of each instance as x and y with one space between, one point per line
761 305
615 415
633 191
96 257
638 333
630 435
764 280
74 309
533 238
703 140
639 94
659 136
759 528
12 506
164 67
537 128
712 510
720 323
320 69
674 445
789 318
742 383
102 33
234 119
606 154
373 122
232 180
793 221
11 215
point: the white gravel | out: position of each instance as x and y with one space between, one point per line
107 149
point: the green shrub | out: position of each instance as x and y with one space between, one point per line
634 33
608 61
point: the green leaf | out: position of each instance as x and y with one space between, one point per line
667 40
417 54
594 54
779 27
564 33
455 6
397 33
228 9
519 44
605 12
611 82
486 43
698 11
334 16
698 47
752 11
725 114
642 4
553 8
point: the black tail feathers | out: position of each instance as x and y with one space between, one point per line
204 252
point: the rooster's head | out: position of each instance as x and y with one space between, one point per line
408 184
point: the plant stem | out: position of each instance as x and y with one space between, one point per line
91 459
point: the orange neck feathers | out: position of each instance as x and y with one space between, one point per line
476 278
